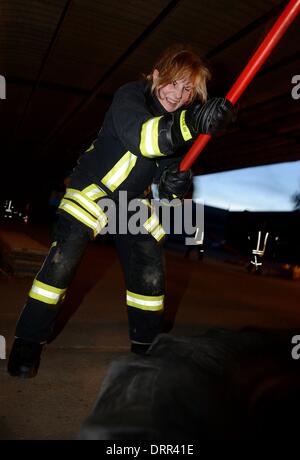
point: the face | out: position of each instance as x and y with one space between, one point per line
175 94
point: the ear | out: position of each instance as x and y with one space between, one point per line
155 74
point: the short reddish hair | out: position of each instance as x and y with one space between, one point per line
179 61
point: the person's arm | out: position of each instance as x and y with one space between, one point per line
139 131
153 137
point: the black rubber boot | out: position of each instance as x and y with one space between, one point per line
24 358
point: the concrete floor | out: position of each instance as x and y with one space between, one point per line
54 404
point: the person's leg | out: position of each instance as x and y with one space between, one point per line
143 265
36 322
49 287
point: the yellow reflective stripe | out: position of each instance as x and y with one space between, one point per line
91 147
48 287
46 293
145 297
85 202
146 202
83 216
94 192
120 171
101 222
133 303
155 136
143 302
149 138
42 298
151 223
158 233
186 133
78 213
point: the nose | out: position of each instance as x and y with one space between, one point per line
178 92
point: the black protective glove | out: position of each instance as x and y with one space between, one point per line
210 118
174 183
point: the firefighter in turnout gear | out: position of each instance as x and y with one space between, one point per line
146 124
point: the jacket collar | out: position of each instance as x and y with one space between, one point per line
153 103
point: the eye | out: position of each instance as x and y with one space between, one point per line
188 89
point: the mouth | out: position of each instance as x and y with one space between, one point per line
172 102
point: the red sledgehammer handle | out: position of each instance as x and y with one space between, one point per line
257 60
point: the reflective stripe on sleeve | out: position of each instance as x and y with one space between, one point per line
145 302
120 171
91 147
149 139
185 132
46 293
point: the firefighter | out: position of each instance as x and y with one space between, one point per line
146 124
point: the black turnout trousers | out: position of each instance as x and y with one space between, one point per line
142 262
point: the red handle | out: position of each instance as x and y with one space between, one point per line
257 60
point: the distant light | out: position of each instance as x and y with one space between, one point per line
10 207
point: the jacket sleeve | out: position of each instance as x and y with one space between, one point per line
139 131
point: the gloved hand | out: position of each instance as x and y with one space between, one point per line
210 118
174 183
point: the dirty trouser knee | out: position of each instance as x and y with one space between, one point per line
143 265
49 287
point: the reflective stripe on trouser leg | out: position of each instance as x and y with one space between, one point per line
48 290
145 302
81 205
144 270
46 293
145 316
